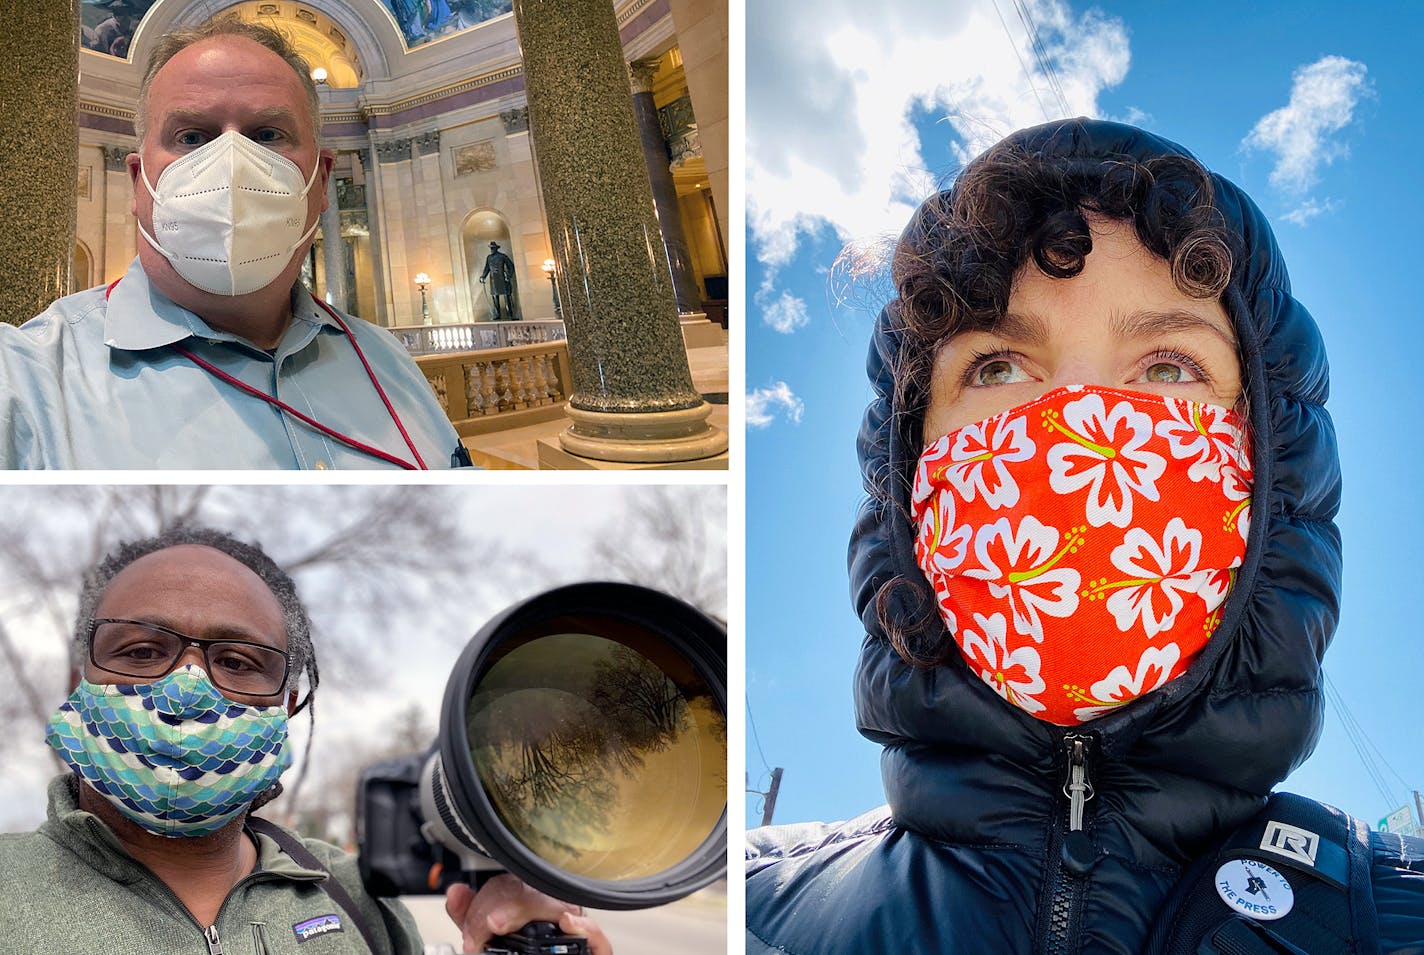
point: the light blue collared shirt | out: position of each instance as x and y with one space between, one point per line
92 383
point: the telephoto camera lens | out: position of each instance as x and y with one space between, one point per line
582 746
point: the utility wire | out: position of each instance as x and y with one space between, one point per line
751 721
1033 87
1040 53
1371 757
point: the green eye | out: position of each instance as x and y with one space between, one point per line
997 372
1164 373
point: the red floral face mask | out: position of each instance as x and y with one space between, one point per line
1080 546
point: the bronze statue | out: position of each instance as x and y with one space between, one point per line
499 269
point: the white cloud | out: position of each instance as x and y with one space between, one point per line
1308 210
785 314
1323 98
831 140
764 403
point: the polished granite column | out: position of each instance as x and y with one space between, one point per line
39 142
333 256
655 154
633 399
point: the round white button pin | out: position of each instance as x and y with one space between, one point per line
1254 889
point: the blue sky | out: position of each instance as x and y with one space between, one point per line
851 119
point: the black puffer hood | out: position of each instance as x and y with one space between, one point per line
1202 752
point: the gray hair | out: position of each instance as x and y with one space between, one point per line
171 44
294 615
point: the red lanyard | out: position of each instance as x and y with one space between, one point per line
307 419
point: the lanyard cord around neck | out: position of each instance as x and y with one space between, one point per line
307 419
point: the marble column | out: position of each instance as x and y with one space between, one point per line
333 256
633 399
655 153
40 142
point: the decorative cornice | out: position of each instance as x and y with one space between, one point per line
632 10
103 109
356 116
464 86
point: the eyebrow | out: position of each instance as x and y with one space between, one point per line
220 631
1148 322
268 114
1032 329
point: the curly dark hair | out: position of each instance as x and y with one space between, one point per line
957 260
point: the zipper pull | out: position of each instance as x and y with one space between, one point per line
214 942
1078 789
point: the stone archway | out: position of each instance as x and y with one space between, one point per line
82 276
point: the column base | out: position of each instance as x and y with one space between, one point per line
643 437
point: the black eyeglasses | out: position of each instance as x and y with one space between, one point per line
148 651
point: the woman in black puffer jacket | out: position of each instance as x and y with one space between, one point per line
1029 811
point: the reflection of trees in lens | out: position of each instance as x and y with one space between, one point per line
645 710
602 749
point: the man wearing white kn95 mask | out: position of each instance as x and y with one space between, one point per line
208 352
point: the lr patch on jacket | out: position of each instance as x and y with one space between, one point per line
313 928
1254 889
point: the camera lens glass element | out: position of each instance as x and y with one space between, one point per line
600 747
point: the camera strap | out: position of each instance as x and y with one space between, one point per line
293 847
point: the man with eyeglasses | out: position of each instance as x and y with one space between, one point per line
189 648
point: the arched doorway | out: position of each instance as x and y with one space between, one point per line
83 274
482 227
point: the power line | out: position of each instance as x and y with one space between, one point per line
1040 53
1033 88
751 721
1371 757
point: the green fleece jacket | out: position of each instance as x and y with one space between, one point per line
70 888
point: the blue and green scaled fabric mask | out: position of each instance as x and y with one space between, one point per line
175 756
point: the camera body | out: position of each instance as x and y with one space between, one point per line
396 857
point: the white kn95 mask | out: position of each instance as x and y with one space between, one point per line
229 215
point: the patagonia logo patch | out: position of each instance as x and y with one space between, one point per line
321 925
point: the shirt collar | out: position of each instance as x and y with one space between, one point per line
139 316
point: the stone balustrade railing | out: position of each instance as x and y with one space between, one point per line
496 389
471 336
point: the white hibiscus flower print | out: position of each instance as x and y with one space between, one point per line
1020 564
1159 573
980 456
940 546
1104 453
940 585
1013 674
1203 433
928 469
1236 486
1122 685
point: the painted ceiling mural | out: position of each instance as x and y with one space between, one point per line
108 26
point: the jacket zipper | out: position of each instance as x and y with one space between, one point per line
210 935
1074 850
